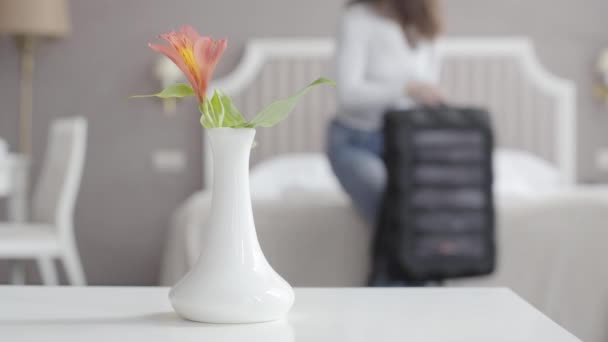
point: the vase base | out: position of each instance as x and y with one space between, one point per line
234 308
217 320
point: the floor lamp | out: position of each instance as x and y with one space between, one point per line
27 20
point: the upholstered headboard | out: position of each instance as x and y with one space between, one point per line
532 110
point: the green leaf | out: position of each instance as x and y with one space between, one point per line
232 116
220 111
174 90
279 110
217 109
206 119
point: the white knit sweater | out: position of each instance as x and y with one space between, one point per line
374 63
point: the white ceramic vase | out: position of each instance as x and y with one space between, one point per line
231 282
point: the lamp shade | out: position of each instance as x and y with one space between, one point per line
49 18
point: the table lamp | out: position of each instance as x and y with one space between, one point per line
27 20
601 88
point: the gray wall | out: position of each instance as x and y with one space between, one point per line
124 203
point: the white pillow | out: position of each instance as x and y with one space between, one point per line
515 173
522 173
277 176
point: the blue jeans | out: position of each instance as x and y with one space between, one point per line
356 159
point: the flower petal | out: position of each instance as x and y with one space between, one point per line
190 33
178 40
200 50
209 51
166 50
174 56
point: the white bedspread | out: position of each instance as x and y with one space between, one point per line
551 249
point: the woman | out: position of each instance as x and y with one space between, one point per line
385 59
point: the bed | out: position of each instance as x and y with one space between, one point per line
550 230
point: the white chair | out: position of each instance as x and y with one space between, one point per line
50 233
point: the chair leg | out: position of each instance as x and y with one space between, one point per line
48 272
17 272
73 266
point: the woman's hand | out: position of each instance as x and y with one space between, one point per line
424 93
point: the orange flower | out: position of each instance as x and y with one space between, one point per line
195 55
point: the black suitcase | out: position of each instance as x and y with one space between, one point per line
437 217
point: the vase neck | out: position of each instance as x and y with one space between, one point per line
231 230
231 149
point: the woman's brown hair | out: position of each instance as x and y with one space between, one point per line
418 18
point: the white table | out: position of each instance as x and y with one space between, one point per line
112 314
